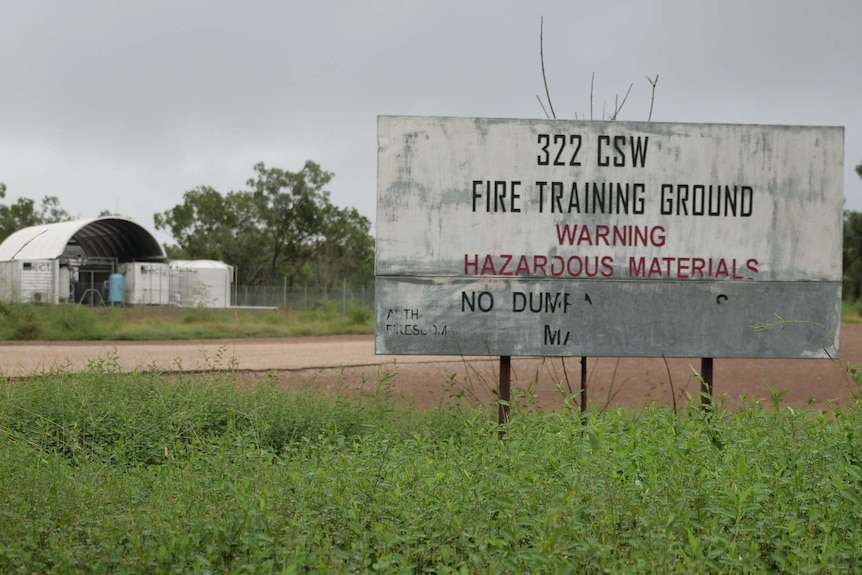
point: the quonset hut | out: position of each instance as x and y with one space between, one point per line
76 260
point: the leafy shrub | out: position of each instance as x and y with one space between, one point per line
19 322
359 314
181 475
74 322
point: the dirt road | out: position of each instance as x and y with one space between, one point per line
348 362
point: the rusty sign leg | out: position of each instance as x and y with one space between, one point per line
583 386
505 389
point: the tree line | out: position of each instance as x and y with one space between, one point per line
280 230
283 229
24 212
852 255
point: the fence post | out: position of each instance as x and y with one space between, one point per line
344 297
286 297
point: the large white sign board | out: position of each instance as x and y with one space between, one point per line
526 237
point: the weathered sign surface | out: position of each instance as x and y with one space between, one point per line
556 238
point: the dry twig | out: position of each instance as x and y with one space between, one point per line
652 96
618 109
542 57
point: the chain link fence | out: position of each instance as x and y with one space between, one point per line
302 298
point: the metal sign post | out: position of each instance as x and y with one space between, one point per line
505 392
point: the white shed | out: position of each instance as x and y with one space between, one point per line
72 261
201 283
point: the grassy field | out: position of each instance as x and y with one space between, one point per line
111 472
105 472
76 323
149 323
23 322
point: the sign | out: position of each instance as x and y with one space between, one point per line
570 238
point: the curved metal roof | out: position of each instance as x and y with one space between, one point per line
108 237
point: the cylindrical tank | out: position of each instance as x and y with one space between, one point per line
115 289
65 284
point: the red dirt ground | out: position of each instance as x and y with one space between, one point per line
611 382
348 363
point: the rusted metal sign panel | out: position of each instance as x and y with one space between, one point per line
526 237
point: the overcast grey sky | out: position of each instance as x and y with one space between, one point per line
124 106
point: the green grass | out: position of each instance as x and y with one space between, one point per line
75 322
105 472
851 312
148 323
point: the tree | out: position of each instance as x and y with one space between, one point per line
347 249
852 255
290 208
23 213
852 252
279 228
202 225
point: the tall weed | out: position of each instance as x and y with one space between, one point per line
141 473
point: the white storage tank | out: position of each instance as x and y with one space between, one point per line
65 287
201 283
146 283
